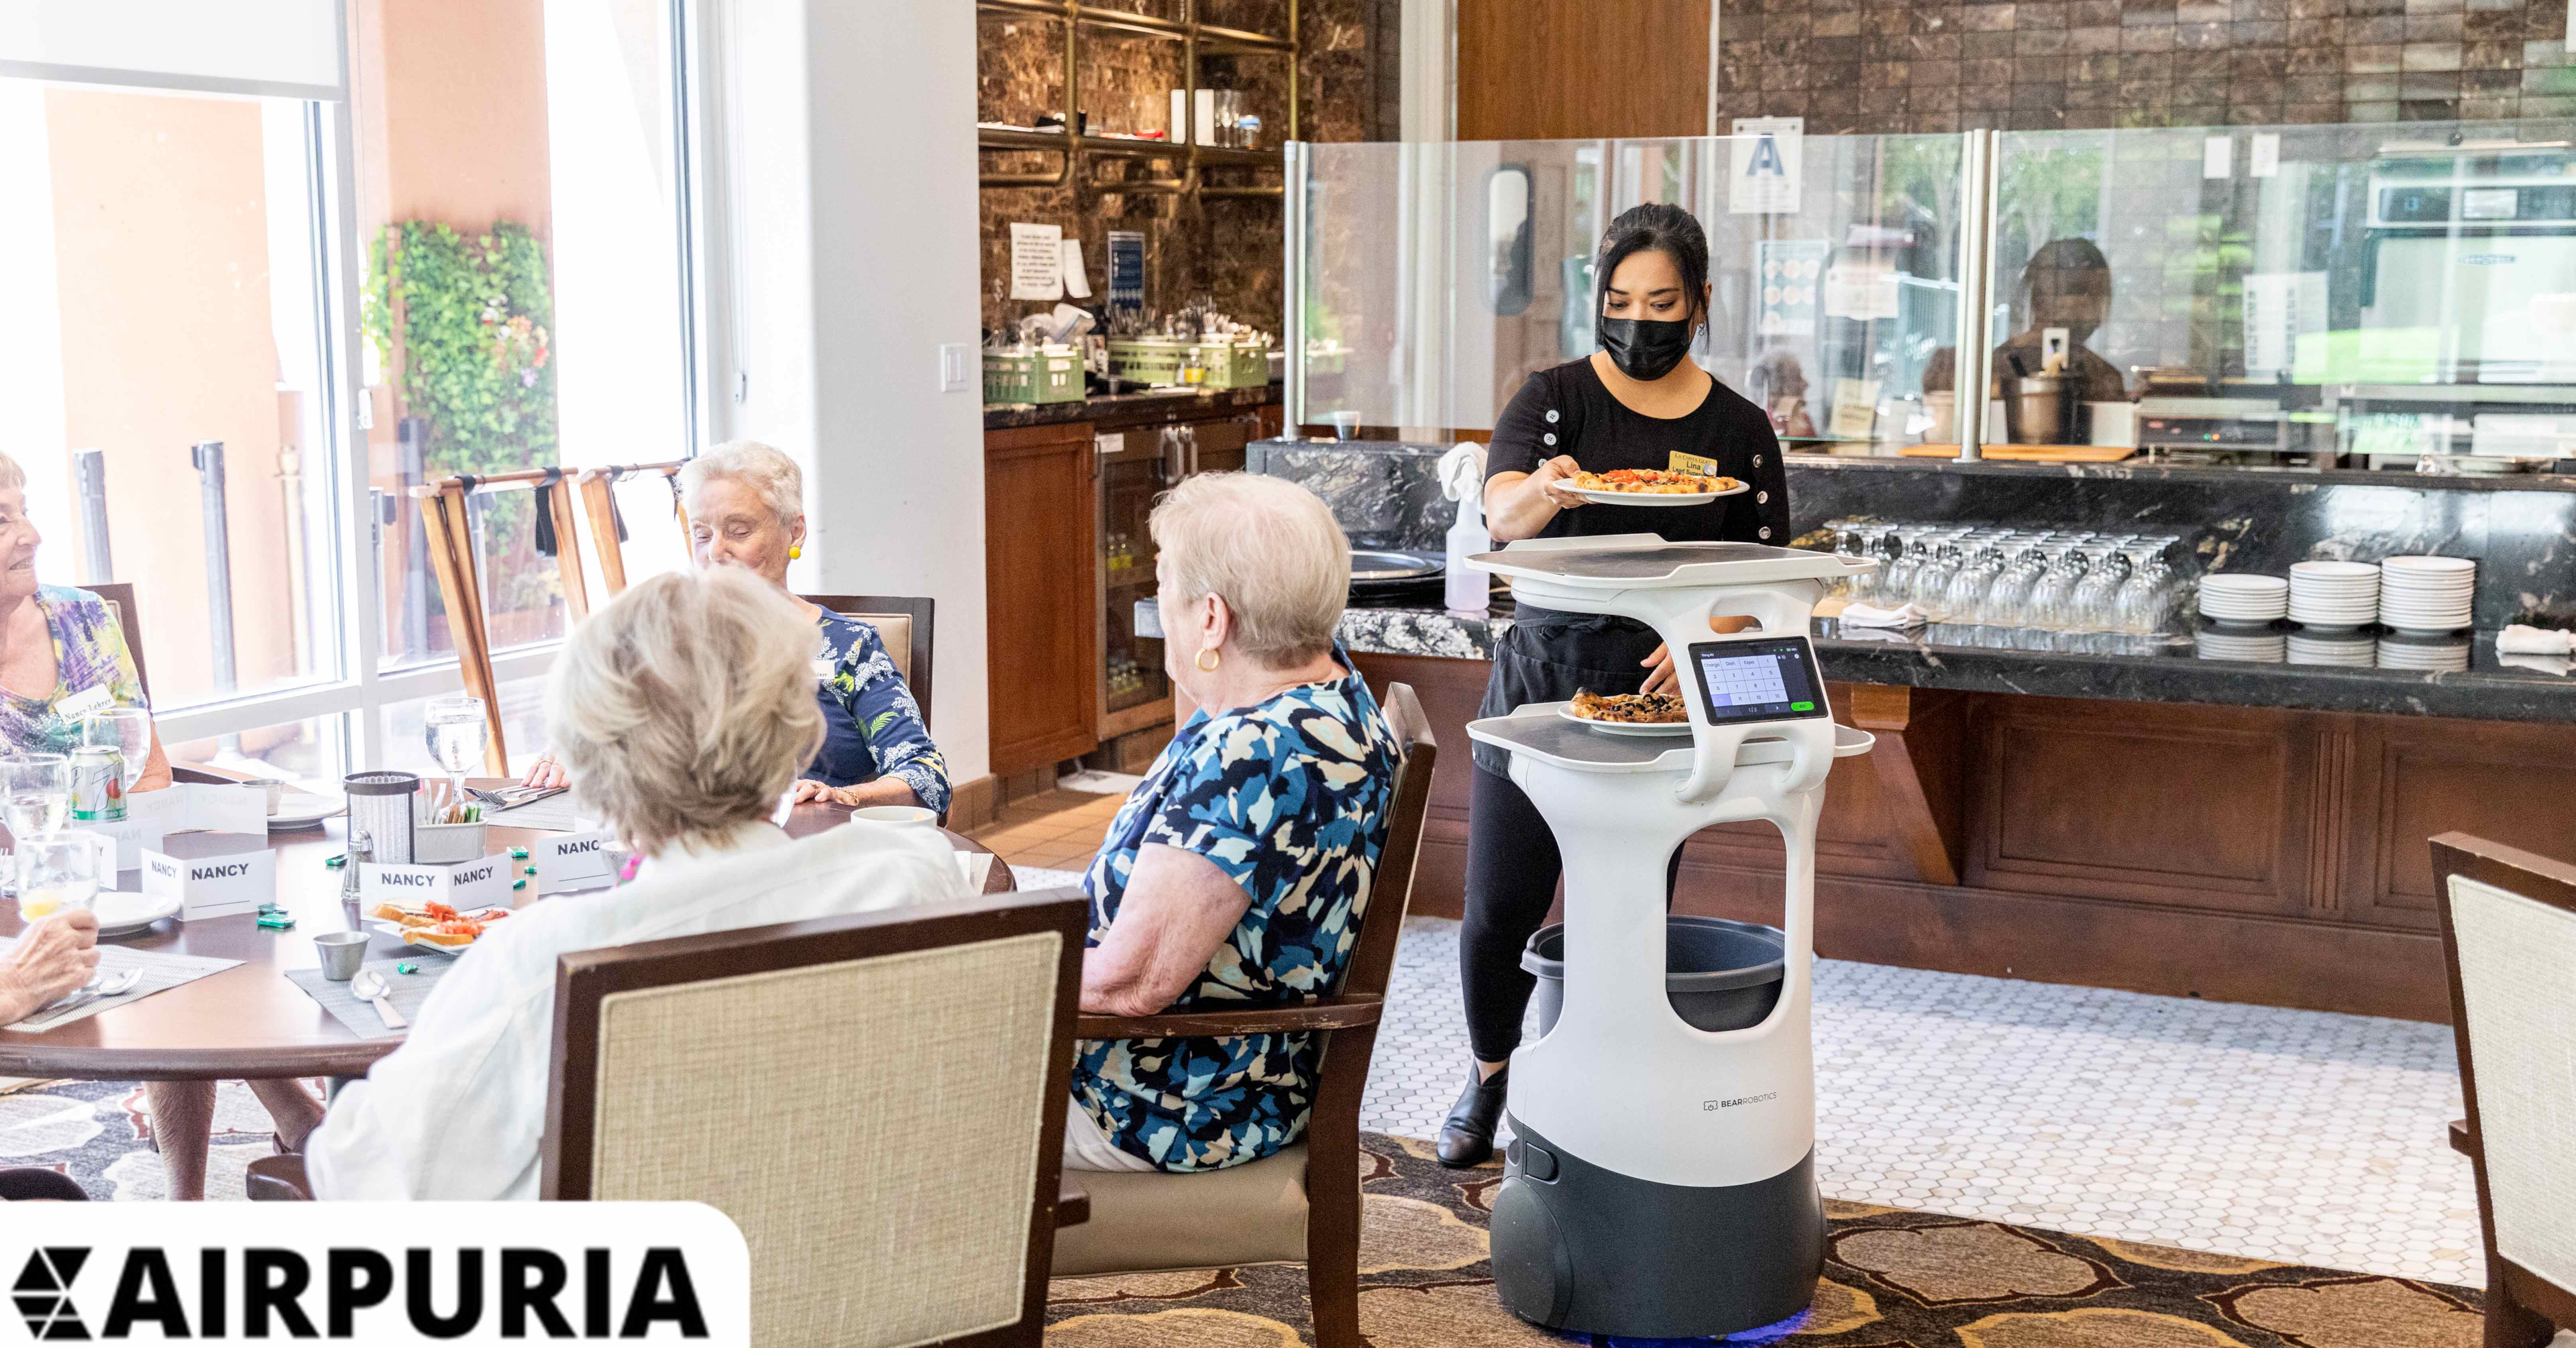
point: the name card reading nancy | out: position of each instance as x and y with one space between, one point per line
569 861
127 839
466 885
212 874
224 807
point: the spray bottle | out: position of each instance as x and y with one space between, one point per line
1462 479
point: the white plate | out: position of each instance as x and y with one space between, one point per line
2335 571
123 914
395 930
2433 565
2244 581
1649 498
1626 727
303 809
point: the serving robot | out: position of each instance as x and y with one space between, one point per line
1661 1182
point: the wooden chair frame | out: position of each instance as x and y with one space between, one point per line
2523 1309
583 981
121 594
921 611
1347 1022
450 526
599 503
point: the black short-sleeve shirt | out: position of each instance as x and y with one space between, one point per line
1538 426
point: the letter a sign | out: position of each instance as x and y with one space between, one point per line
1766 152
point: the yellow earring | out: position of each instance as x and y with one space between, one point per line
1208 660
794 551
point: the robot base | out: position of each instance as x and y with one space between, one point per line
1661 1261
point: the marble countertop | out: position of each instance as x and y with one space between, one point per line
2488 690
2143 471
1128 409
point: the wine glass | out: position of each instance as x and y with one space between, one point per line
456 733
56 871
128 730
35 793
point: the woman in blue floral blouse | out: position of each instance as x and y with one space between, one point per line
746 506
1238 873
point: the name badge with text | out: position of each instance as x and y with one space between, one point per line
212 874
570 861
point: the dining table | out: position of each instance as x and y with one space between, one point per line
251 1020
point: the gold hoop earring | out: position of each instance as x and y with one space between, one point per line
1208 660
794 552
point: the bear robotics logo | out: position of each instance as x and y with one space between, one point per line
43 1291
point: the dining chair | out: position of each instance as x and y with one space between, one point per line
120 598
1303 1204
608 523
905 625
2508 940
876 1100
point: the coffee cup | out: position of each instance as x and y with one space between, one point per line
342 952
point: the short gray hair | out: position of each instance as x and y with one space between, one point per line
1270 549
768 471
12 477
685 706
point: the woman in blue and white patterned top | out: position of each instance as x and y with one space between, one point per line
746 506
1238 873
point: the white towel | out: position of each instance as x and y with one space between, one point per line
1871 615
2523 639
2547 664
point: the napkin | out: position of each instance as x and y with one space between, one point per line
1871 615
2546 664
2524 639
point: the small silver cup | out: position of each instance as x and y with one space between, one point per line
343 952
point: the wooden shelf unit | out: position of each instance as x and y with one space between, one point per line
1196 39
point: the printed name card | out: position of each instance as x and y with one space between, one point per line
223 807
464 886
128 838
212 874
569 861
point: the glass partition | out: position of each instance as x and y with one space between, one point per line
1434 277
2287 296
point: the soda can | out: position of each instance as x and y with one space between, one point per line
98 783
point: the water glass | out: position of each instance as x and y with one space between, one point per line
128 730
457 733
56 871
35 793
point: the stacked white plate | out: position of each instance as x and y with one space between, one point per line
2351 649
2257 644
2427 594
2428 653
2243 597
2334 594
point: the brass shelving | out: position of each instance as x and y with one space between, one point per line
1077 149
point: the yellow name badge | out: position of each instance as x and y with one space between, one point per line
1692 464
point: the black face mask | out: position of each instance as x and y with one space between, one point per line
1645 349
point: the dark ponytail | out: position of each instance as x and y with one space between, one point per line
1666 229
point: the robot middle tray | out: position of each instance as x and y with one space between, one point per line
1658 564
1538 730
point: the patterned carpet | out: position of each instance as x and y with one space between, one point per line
1893 1279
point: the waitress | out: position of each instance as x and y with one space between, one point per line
1636 403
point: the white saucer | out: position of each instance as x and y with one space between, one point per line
123 914
1626 727
303 809
395 930
1653 498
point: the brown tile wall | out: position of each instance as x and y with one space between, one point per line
1227 250
1887 66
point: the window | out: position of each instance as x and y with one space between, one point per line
266 279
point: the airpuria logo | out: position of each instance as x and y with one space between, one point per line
275 1293
43 1293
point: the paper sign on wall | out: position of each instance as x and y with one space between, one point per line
1792 270
465 886
212 874
1126 269
1076 283
1766 155
1855 408
2218 156
2280 307
1037 262
2265 161
1860 290
569 861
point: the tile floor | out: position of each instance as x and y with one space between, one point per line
2292 1135
1055 831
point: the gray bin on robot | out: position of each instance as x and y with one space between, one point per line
1718 975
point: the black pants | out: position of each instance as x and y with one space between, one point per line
1512 870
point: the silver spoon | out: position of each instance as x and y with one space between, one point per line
369 986
98 989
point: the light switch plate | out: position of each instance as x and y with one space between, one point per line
953 366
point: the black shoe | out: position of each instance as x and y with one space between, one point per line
1467 1137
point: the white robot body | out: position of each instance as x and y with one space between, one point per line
1661 1179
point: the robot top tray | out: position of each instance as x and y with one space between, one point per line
1536 729
1663 565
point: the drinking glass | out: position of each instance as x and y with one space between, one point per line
456 732
1896 582
125 729
1971 588
1932 583
2052 598
35 793
56 871
2091 603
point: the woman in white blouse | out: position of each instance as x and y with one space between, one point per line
684 710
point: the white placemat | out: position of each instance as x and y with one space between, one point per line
161 972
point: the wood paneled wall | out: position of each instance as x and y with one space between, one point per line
1557 69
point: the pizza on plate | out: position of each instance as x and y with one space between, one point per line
1652 482
1631 708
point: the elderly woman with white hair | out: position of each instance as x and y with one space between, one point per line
683 710
746 508
1238 872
